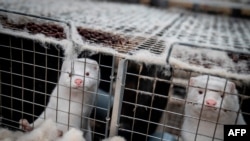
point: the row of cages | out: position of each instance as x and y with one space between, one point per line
236 8
136 100
106 94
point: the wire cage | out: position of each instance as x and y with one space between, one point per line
150 60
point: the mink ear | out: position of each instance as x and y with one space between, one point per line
65 64
192 81
231 86
95 65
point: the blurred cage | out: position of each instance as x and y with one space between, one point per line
146 56
228 7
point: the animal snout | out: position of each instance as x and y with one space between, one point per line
210 102
78 81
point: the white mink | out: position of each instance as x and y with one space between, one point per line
8 135
47 131
72 135
72 99
205 104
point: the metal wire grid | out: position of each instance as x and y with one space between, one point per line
138 100
135 23
135 97
218 32
135 19
153 45
33 24
133 118
238 42
125 41
29 73
131 21
173 114
21 86
125 18
101 115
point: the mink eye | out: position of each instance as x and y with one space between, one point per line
87 73
200 92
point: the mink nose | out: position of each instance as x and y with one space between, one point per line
78 82
211 102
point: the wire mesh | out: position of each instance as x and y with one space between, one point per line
26 70
152 103
221 32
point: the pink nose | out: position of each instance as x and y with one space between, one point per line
211 102
78 82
